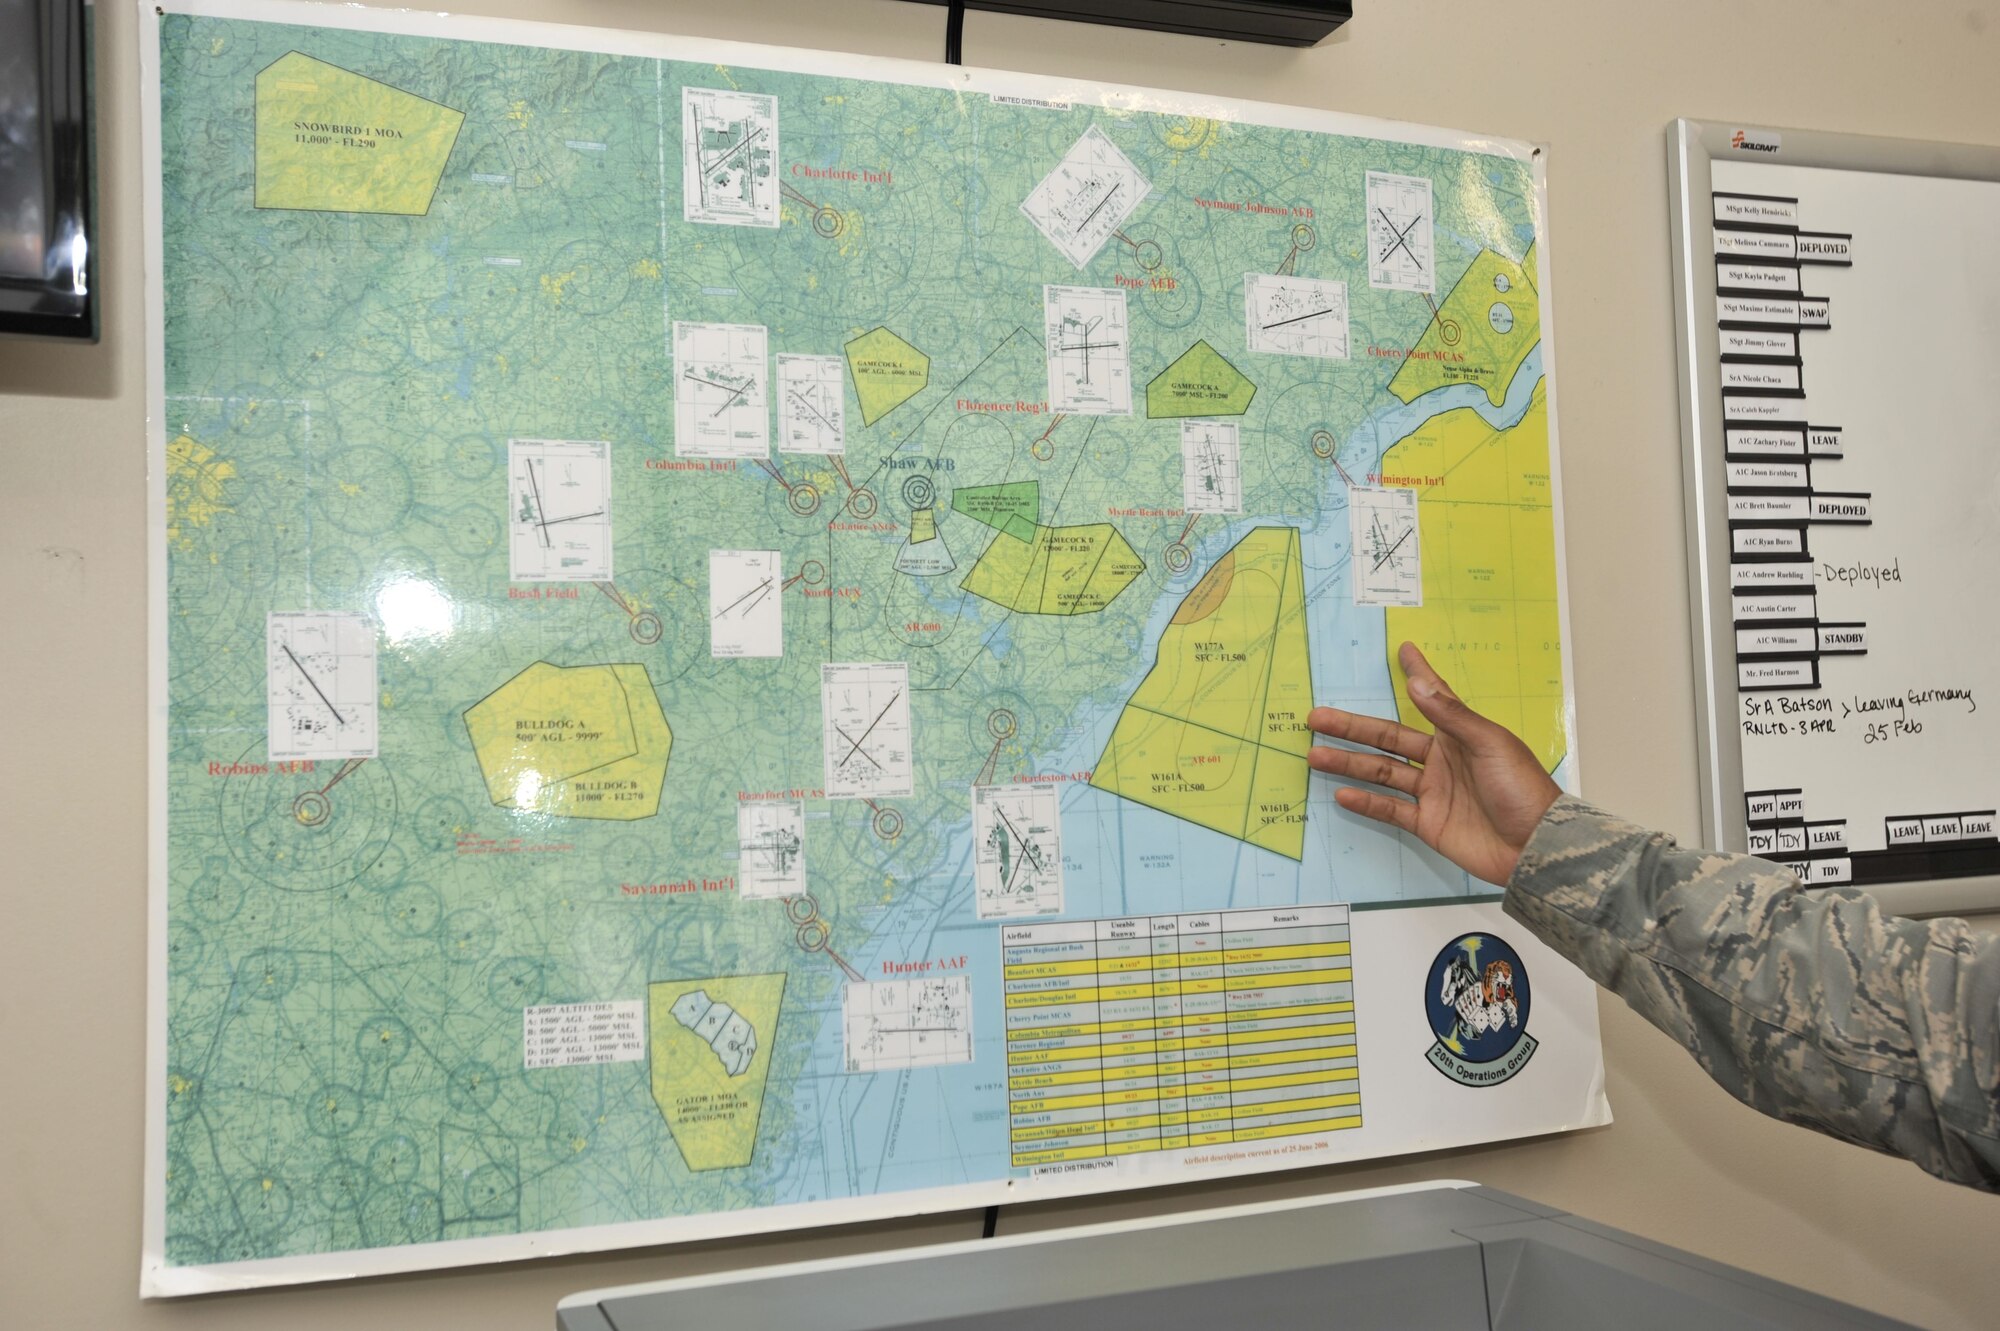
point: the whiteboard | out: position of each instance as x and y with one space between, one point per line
1839 300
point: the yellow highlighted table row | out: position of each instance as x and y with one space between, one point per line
1035 970
1114 993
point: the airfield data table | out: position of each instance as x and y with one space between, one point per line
1158 1032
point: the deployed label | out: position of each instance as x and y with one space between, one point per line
1840 508
1825 248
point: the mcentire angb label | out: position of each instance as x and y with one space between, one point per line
1477 997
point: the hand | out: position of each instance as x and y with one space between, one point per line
1477 792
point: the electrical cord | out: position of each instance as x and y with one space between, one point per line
954 33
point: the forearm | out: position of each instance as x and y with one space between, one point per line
1813 1008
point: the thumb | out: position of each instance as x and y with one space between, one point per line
1440 706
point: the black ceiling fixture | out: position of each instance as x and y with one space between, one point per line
1278 22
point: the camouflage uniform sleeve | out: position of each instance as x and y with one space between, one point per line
1814 1008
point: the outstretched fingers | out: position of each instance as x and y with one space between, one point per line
1373 731
1382 808
1374 768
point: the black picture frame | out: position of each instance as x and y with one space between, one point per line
48 185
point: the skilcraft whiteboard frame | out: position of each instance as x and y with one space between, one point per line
160 1280
1691 146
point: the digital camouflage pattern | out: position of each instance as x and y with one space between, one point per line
1815 1008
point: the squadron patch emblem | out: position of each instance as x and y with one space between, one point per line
1477 997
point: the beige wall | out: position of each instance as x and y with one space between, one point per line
1596 81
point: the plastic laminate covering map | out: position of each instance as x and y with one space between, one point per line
734 630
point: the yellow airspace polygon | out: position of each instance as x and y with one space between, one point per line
712 1111
1215 733
330 140
1484 330
1184 769
1277 819
1487 532
1014 507
1062 571
887 372
1200 383
573 742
